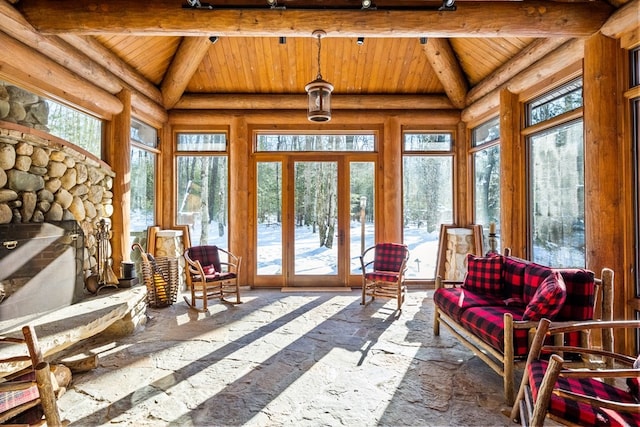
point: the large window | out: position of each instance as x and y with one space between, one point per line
485 150
269 218
31 110
556 178
202 190
315 142
144 155
79 128
427 174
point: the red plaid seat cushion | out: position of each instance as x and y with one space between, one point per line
389 257
11 399
219 276
484 274
487 323
548 299
453 301
580 413
207 255
382 276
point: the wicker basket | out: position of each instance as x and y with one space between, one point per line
161 281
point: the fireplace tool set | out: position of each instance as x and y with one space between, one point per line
106 276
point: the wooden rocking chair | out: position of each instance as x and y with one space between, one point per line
209 277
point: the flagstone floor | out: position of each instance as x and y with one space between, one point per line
287 359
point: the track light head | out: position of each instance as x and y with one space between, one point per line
360 41
366 4
213 39
448 5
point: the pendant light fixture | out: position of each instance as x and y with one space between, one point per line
319 91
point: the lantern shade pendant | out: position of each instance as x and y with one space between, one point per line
319 91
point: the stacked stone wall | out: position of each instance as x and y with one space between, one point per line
44 180
23 107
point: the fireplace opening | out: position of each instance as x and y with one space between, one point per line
41 269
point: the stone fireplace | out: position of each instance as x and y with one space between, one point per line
41 268
49 186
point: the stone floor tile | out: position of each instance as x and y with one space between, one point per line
287 359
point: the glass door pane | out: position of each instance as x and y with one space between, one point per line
557 196
269 219
143 208
427 203
362 219
316 218
202 198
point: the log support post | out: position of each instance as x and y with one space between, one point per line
118 155
604 155
513 191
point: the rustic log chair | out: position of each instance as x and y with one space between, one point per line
209 277
27 395
555 388
383 268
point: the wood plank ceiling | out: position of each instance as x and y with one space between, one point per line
280 56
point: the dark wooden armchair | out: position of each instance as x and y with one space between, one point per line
210 277
27 397
383 267
557 384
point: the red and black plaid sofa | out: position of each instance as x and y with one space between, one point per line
495 310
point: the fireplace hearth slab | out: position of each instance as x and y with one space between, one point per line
118 312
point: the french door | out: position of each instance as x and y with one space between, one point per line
305 218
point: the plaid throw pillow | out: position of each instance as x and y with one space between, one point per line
548 299
513 275
581 286
534 275
484 274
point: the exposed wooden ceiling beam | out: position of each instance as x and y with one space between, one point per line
447 68
184 64
53 47
299 102
622 20
569 53
103 56
537 50
168 17
65 86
